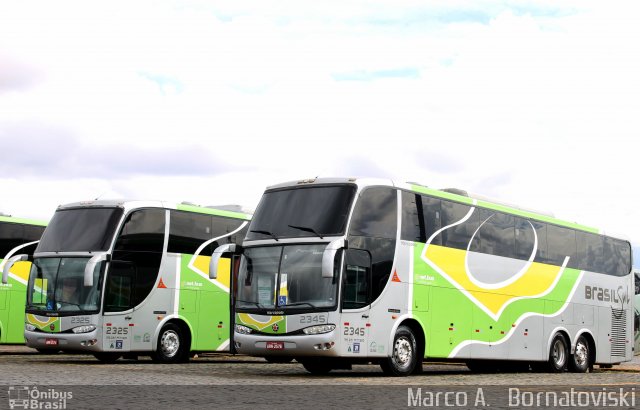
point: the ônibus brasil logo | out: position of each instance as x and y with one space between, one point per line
27 397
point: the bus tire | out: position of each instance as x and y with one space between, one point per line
558 354
404 354
107 357
580 361
317 367
171 345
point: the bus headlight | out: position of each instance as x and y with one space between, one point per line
83 329
243 330
318 329
29 327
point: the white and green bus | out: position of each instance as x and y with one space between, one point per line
17 235
118 278
334 272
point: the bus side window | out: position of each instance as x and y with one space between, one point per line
119 287
140 243
357 276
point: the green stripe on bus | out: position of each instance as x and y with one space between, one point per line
11 219
213 211
502 208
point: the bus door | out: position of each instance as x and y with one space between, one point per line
117 329
356 303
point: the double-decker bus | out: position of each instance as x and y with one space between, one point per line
340 271
118 278
17 236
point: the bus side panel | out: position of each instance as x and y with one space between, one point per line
12 304
205 303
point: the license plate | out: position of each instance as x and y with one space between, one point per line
51 342
275 345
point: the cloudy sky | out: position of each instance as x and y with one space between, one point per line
533 102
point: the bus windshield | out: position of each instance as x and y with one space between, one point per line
302 212
285 277
57 285
80 230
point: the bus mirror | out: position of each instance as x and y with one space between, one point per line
217 254
9 265
91 265
329 256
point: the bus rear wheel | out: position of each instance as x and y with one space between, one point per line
404 355
107 357
558 355
580 361
171 345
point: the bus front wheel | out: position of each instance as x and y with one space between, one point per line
317 367
171 345
404 355
580 361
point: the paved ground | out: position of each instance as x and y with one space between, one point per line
239 381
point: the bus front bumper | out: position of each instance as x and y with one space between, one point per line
63 341
293 346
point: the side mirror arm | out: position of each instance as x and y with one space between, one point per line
329 256
91 266
219 253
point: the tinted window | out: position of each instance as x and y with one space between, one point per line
412 220
590 249
187 231
457 236
222 227
496 234
13 235
80 229
431 211
355 293
323 209
617 257
140 244
375 214
143 231
525 239
541 235
561 242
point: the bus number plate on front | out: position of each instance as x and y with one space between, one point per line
275 345
51 342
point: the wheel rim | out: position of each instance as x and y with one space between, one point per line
402 352
559 353
582 354
170 343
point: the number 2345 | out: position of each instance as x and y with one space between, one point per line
353 331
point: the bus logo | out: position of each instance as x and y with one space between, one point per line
275 327
52 327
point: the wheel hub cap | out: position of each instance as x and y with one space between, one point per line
402 352
170 343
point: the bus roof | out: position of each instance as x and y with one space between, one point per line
447 194
131 204
24 221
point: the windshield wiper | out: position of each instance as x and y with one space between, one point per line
264 233
306 229
299 304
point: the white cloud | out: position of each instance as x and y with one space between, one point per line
534 103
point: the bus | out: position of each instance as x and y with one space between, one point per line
17 235
339 271
126 278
